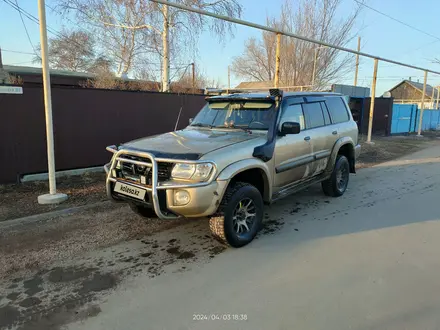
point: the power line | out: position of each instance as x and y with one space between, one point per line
397 20
27 33
31 17
16 51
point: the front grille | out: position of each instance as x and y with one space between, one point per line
134 172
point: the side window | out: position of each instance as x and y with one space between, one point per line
314 115
325 113
337 109
294 113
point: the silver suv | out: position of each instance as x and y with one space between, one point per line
240 152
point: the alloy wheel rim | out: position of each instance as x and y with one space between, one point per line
244 216
342 178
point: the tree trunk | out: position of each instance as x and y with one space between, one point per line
166 50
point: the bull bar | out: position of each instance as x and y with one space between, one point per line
155 185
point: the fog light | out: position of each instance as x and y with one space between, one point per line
181 197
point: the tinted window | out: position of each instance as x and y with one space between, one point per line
337 109
294 113
314 115
325 113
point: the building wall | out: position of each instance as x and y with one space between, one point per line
406 91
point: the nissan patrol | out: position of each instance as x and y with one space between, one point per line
240 152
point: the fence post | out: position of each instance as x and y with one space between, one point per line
373 96
422 108
277 61
52 197
357 63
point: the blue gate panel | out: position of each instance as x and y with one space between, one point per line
403 118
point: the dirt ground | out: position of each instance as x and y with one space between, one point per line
388 148
20 200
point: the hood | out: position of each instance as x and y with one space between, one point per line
188 144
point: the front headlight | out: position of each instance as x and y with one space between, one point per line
196 172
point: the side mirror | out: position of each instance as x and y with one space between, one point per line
289 127
190 120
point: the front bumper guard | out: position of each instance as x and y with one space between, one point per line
155 185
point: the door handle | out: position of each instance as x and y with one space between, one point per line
307 138
335 132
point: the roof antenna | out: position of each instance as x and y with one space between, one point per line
178 117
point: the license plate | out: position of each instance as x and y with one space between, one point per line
129 190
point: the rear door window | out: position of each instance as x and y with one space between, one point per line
338 110
314 115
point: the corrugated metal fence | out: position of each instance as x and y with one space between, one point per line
85 122
405 119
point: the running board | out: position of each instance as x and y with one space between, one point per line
284 192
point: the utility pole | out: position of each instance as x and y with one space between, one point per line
422 108
357 62
166 50
432 97
52 197
277 61
229 79
438 95
314 67
193 78
373 96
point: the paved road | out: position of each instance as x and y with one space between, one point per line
368 260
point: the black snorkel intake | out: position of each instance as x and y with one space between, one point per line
265 151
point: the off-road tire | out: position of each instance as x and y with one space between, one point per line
330 186
221 224
144 212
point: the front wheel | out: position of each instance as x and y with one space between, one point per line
336 185
240 215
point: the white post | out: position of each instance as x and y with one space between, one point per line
357 63
422 108
314 67
438 94
277 61
373 97
52 197
166 50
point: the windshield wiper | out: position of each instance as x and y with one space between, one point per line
247 130
201 125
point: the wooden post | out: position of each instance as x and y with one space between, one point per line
277 61
357 62
193 78
229 78
422 108
314 67
373 96
438 94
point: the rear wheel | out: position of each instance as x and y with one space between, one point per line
240 215
143 211
336 185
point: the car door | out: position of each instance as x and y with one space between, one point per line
292 155
322 135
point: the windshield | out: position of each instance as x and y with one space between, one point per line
235 114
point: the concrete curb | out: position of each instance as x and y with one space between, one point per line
7 224
61 174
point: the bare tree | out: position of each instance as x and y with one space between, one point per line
186 82
136 30
72 50
314 19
